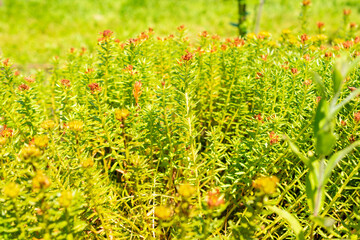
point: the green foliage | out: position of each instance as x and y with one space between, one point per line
171 138
320 171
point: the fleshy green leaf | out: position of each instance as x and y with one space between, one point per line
319 84
320 115
324 222
338 107
291 220
336 157
325 142
297 152
323 129
337 81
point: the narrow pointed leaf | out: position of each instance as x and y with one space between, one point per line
325 142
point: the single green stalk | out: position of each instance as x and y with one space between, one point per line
167 128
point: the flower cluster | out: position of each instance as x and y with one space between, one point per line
266 185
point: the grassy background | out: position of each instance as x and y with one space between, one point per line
34 31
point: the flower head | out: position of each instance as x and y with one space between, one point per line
181 28
273 138
286 31
357 40
40 181
3 141
258 117
186 190
348 44
89 70
29 79
121 114
263 34
87 163
76 125
6 132
163 213
107 33
328 54
11 190
187 57
65 82
204 34
306 3
94 87
347 12
65 199
357 116
30 152
41 141
48 124
307 82
23 87
320 25
266 185
214 198
353 25
294 71
6 62
304 38
318 99
307 57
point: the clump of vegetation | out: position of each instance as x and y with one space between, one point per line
161 138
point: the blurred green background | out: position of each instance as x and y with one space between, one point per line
34 31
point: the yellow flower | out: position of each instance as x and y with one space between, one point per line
121 114
186 190
312 48
41 141
321 37
251 36
272 44
286 31
76 125
163 212
264 34
338 40
266 185
293 41
87 163
65 199
40 181
48 124
11 190
30 152
3 141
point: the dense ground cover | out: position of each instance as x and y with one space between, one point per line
34 31
178 138
183 135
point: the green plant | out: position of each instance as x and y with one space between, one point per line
322 163
175 137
